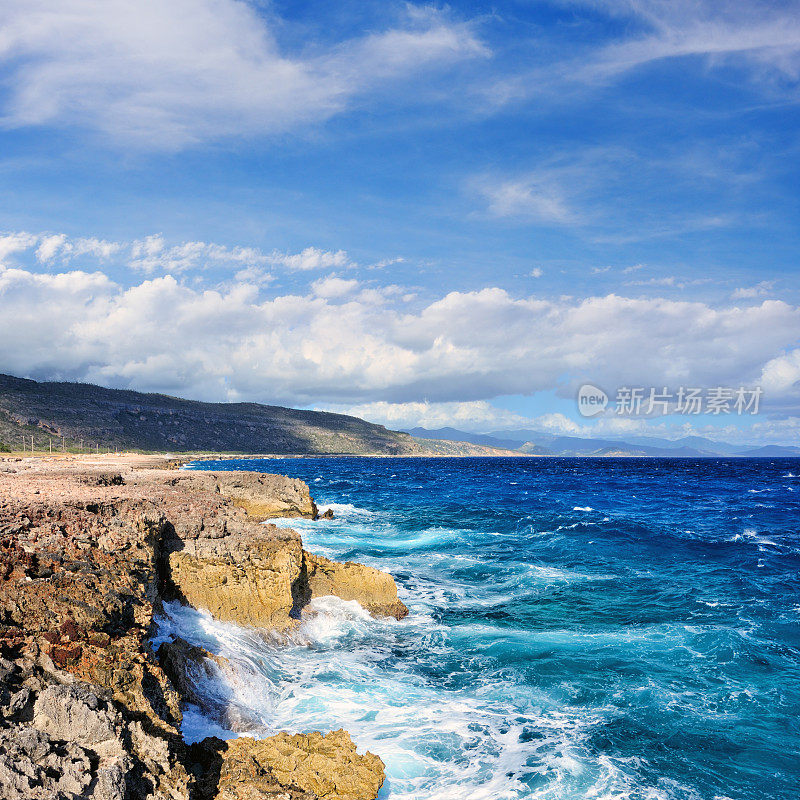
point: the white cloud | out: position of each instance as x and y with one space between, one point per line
11 243
759 290
342 345
668 280
781 375
333 287
762 35
153 255
312 258
166 75
536 272
476 415
539 197
58 246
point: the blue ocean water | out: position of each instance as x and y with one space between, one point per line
579 628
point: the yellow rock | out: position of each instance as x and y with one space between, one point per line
325 766
376 591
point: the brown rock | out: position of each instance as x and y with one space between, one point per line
376 591
260 494
62 656
313 766
86 557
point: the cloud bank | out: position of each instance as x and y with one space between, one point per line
346 341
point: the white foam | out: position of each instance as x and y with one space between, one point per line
583 508
438 744
346 509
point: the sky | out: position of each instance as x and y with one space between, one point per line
420 214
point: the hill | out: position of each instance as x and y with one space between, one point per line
87 416
531 442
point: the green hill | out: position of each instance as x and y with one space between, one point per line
86 416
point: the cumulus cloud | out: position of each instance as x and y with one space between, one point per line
12 243
166 75
332 287
342 344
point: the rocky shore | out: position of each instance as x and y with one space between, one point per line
89 551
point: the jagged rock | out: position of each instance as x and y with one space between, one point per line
328 514
34 767
300 766
85 560
75 713
374 590
188 667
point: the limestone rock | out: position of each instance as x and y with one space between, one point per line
300 766
75 713
257 581
87 554
260 494
34 767
376 591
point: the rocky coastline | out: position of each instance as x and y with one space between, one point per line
89 552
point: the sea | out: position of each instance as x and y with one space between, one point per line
579 628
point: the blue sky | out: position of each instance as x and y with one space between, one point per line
423 214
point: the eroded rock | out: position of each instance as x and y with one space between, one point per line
376 591
85 560
300 766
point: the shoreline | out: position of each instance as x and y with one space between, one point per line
91 548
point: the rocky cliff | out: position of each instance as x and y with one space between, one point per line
87 555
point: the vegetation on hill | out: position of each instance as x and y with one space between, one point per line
79 416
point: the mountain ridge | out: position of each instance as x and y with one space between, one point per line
85 416
531 442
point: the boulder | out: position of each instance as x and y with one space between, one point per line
376 591
300 766
253 581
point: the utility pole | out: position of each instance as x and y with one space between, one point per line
51 446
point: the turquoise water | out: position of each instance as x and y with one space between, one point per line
578 628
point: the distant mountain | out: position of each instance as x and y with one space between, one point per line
771 451
453 435
698 443
87 416
534 442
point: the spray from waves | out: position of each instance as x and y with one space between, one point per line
490 740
